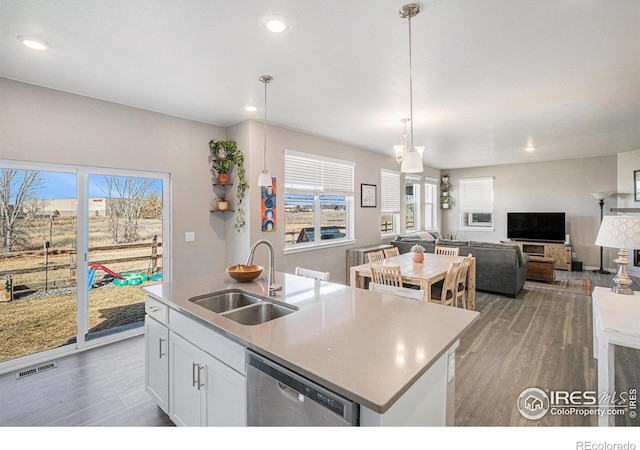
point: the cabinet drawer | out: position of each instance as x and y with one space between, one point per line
156 309
227 351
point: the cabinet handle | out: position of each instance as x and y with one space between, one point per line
199 384
160 347
152 309
193 374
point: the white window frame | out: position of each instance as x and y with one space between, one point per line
416 181
390 200
476 196
430 204
316 178
82 198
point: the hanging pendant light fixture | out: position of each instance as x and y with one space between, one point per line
411 160
400 150
265 179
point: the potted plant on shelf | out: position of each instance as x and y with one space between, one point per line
223 202
418 253
223 156
446 201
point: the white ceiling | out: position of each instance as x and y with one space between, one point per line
489 75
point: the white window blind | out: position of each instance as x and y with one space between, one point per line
476 194
315 174
390 191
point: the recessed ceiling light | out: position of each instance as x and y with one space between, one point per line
250 109
276 24
530 148
34 43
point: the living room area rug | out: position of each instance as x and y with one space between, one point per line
581 286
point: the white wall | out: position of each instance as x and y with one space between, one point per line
44 125
367 170
563 186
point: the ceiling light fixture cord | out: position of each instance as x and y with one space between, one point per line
412 159
265 179
410 85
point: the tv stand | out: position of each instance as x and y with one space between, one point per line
559 252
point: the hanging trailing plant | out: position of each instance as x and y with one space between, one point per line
223 156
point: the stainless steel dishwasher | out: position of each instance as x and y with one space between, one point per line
276 396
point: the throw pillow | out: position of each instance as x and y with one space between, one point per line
425 236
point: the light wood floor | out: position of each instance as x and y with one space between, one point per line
539 339
99 387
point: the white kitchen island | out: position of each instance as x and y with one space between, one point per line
394 357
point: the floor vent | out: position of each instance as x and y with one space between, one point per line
34 370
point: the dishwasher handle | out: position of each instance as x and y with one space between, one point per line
291 394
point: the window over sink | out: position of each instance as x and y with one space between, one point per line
318 201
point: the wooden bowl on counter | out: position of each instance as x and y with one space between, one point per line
240 272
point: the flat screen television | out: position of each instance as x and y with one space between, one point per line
536 226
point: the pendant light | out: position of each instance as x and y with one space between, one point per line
265 179
411 161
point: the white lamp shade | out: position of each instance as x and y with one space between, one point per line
601 195
412 163
420 150
264 179
619 232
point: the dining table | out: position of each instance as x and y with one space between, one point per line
424 274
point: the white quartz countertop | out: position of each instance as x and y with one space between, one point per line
366 346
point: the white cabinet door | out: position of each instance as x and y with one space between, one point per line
157 362
224 398
184 391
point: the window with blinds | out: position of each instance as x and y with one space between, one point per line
476 203
430 203
389 202
318 201
412 203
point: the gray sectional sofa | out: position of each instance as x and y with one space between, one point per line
500 268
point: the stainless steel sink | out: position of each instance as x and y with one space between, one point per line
224 301
258 313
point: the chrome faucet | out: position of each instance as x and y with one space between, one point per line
272 287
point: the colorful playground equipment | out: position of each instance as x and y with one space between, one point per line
124 279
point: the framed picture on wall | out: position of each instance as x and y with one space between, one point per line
368 195
636 185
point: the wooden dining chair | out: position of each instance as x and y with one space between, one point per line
446 294
385 274
449 251
391 252
415 294
461 292
323 276
375 256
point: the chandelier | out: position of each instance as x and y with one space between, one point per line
400 149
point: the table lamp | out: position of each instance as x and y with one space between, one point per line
622 232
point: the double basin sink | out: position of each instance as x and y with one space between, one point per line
242 307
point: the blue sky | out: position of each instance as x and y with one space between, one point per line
63 185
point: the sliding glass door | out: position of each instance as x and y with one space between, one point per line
37 260
61 228
124 249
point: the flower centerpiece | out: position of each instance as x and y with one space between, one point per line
418 253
